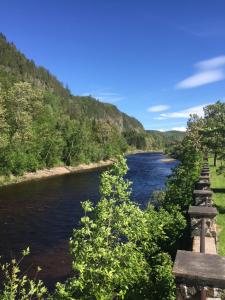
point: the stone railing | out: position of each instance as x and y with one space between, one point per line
200 273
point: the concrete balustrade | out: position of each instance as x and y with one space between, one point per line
196 214
201 275
203 184
203 197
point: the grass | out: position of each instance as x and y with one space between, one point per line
218 186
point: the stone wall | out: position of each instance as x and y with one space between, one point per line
193 292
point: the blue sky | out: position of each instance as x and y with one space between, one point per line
156 60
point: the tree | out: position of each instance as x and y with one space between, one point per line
118 251
3 124
214 129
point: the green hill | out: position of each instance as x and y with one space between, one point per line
42 124
14 67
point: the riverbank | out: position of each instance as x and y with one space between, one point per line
55 171
167 159
61 170
218 187
143 151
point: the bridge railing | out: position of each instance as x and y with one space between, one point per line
200 273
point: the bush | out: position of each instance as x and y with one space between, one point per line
119 250
17 285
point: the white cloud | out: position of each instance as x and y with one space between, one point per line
161 129
185 113
208 71
104 96
201 78
212 63
159 118
158 108
180 128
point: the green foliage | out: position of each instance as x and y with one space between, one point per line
214 129
20 68
42 124
163 140
119 251
17 285
180 185
135 139
36 133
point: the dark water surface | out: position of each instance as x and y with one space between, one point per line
41 214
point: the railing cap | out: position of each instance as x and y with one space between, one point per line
203 182
204 177
205 173
202 192
202 211
199 269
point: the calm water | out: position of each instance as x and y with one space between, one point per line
41 214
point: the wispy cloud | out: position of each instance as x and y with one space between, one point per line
179 128
185 113
209 71
201 78
212 63
205 30
158 108
159 118
105 96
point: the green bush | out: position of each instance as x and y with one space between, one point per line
16 285
119 250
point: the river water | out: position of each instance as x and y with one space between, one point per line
42 213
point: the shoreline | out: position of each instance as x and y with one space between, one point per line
143 151
63 170
55 171
167 159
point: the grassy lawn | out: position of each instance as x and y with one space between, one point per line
218 185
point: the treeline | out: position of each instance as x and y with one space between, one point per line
164 140
213 130
209 132
36 133
20 68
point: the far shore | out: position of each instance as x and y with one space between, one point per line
167 159
61 170
55 171
143 151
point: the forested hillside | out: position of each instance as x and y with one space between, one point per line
162 140
42 124
14 67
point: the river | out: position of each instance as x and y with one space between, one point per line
42 213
